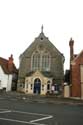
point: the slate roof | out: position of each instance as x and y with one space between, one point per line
77 56
41 39
4 65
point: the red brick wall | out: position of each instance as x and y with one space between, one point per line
75 76
10 64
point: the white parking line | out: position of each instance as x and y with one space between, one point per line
32 122
31 113
12 120
5 111
41 119
36 120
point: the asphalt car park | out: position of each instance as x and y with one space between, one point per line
14 116
37 111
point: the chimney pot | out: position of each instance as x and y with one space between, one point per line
10 63
71 43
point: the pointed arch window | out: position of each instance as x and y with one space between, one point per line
46 61
41 61
36 61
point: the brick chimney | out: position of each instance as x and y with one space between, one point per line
10 63
71 43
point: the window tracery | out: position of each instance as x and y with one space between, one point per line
41 60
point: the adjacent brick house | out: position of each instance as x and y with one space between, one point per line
41 67
8 74
76 72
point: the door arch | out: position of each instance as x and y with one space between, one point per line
37 86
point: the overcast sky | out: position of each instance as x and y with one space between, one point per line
21 20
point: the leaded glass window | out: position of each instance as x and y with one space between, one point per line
46 62
41 61
36 61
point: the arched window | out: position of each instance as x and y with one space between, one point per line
46 62
48 85
36 61
41 60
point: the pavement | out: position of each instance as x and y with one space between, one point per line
42 98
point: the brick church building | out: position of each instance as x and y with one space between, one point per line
41 69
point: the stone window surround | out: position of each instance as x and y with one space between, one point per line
41 53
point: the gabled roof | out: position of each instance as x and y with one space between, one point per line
4 65
77 56
45 42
